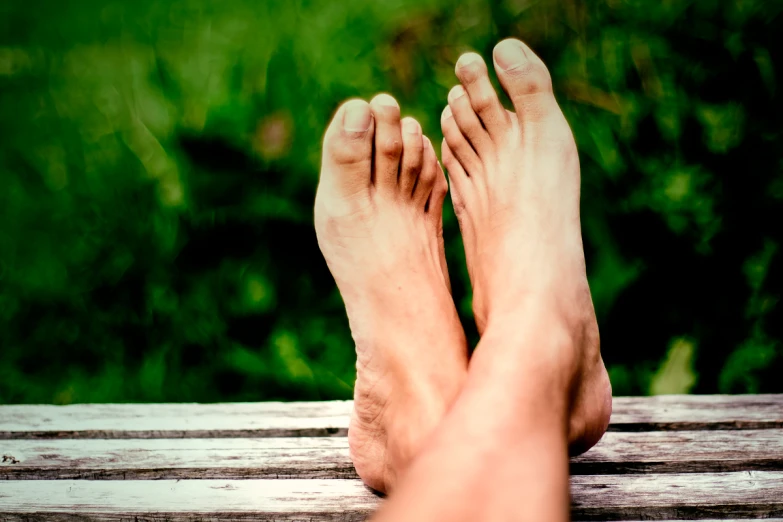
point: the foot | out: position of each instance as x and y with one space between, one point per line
378 217
515 185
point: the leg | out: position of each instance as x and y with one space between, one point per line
501 453
516 188
378 222
536 383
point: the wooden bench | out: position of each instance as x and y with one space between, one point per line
671 457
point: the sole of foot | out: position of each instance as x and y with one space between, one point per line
515 184
378 219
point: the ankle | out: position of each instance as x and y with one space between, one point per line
529 361
550 329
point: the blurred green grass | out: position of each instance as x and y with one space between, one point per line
159 159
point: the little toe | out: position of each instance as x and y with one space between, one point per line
439 190
347 148
467 120
412 148
427 177
388 142
458 144
472 73
522 74
457 175
461 190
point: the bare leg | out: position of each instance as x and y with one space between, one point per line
501 453
378 219
536 382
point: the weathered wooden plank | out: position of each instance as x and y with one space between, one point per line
697 412
682 452
294 457
320 419
109 421
629 497
327 457
750 494
186 500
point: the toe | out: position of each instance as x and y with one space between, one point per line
458 178
522 74
388 141
458 144
427 177
467 121
434 208
472 73
461 190
412 148
347 148
439 190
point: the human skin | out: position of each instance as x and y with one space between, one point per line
515 187
378 218
536 381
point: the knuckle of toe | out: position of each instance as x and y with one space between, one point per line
536 77
471 73
441 185
349 153
391 148
482 102
412 164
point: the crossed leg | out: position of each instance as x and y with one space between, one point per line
536 383
493 444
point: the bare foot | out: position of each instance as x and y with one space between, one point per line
379 225
515 185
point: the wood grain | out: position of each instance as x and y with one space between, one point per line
327 457
697 412
756 494
750 494
682 452
130 421
95 459
322 419
187 500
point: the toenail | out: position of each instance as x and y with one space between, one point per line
411 126
456 92
358 117
468 59
446 113
386 100
510 54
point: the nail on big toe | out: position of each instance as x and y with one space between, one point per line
456 92
385 99
357 116
510 54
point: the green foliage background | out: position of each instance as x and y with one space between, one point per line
159 159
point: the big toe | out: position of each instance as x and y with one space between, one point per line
347 149
521 73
